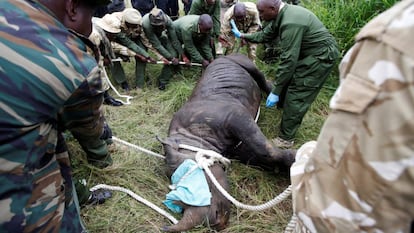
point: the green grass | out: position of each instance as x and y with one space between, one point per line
149 115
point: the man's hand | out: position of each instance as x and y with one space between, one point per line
151 60
205 63
234 29
107 132
166 61
175 61
186 60
223 41
272 99
140 58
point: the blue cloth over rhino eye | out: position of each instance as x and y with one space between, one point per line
192 190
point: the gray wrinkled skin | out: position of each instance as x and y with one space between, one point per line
219 114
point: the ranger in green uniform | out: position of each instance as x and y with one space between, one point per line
129 21
49 84
194 32
159 30
308 54
210 7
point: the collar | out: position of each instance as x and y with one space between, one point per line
282 4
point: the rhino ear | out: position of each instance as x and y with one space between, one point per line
168 142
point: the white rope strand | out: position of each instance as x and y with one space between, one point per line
136 197
138 148
115 90
261 207
205 162
292 224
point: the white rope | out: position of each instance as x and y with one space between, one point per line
180 63
116 91
136 197
115 139
292 224
205 162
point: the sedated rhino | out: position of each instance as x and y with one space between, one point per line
219 114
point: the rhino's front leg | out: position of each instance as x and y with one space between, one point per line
255 148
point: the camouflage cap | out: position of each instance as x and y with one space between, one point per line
157 17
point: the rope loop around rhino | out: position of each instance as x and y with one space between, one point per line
206 158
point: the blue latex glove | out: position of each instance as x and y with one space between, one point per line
234 29
272 99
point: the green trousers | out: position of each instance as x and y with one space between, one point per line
296 97
118 73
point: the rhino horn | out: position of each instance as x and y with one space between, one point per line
192 217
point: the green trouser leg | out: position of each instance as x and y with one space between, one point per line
96 152
302 91
77 204
140 68
166 74
82 191
117 72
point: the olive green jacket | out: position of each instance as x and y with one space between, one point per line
196 44
300 34
154 38
199 7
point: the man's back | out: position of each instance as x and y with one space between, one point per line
41 70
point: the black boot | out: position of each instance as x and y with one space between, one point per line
109 100
125 86
161 85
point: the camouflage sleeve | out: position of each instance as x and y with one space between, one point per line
225 27
82 116
359 175
122 39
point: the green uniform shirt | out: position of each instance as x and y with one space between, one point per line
196 44
123 39
154 37
300 34
199 7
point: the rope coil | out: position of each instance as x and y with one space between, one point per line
203 162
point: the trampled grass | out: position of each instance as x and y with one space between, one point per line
149 115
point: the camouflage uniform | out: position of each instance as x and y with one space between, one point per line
250 24
360 175
49 84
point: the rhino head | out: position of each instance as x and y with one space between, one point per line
216 215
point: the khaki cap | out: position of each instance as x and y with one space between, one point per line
109 23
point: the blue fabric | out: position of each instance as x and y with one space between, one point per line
193 190
272 100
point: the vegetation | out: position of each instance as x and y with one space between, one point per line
149 114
